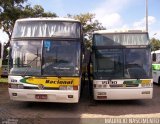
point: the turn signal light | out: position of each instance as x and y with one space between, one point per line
75 87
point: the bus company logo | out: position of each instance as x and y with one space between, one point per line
40 86
109 82
59 82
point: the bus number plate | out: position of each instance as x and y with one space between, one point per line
41 96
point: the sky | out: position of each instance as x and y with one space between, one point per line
113 14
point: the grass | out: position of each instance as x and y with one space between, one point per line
3 80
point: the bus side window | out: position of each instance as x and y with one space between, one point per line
154 57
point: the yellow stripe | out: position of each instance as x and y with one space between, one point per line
145 82
54 81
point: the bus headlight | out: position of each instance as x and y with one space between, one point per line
63 87
146 84
15 86
68 87
98 86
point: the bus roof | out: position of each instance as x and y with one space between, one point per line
118 31
48 19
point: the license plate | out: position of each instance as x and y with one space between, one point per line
41 96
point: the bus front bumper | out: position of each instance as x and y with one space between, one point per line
123 94
44 95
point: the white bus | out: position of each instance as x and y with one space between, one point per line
156 66
46 60
0 59
121 65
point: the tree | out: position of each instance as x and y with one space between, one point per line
89 24
155 43
36 11
11 10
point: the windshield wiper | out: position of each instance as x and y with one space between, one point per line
30 65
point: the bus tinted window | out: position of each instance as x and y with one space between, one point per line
120 39
46 29
122 63
61 58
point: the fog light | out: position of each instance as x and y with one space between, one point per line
14 94
70 96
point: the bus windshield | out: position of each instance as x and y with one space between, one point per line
122 63
61 58
55 58
26 57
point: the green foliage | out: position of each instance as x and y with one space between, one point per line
11 10
36 11
155 43
89 25
88 22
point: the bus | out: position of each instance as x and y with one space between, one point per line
121 65
156 66
0 58
46 60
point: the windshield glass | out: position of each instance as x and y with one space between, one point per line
46 29
137 63
26 57
122 63
61 58
109 63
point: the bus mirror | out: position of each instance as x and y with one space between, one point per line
154 57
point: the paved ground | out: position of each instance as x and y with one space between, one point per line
103 109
